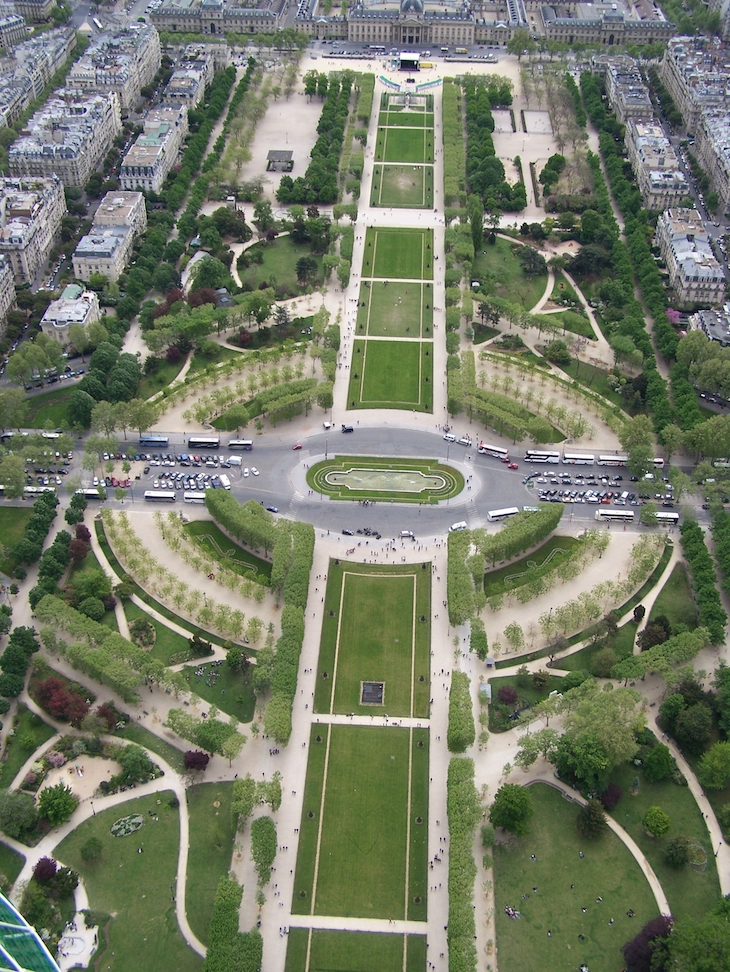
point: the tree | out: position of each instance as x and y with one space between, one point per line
699 944
639 613
638 952
659 764
713 771
232 746
17 813
136 765
512 809
693 727
45 870
306 268
656 821
13 408
678 850
57 803
648 514
637 440
591 820
12 475
521 43
196 760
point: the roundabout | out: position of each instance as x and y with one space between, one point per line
397 480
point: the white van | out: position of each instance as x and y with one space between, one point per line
407 535
449 437
461 525
234 461
224 481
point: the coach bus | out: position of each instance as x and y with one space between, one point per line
538 455
160 495
91 492
578 459
194 497
51 435
664 517
204 442
154 441
659 463
38 490
495 515
245 444
621 516
721 463
498 452
612 460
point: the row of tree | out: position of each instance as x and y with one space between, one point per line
712 615
228 949
461 731
485 173
464 812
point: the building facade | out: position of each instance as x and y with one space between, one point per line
694 273
627 93
35 11
31 211
68 137
696 73
655 164
123 60
219 17
188 81
34 63
7 290
13 31
712 148
607 24
74 306
121 217
148 161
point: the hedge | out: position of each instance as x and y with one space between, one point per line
459 582
248 522
228 949
521 532
721 536
464 813
461 731
478 642
28 549
365 103
263 847
454 159
712 615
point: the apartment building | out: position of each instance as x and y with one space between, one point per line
31 211
655 164
627 93
712 148
148 161
696 73
694 273
68 137
29 68
7 291
35 11
107 248
187 83
122 60
714 324
13 31
74 306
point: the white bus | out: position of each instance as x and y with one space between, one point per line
245 444
659 463
92 492
537 455
622 516
192 497
578 459
97 23
495 515
612 460
498 452
204 442
160 496
38 490
721 463
666 517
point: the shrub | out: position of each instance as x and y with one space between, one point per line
677 851
45 870
461 731
196 760
611 795
488 836
91 851
263 847
507 694
591 821
659 764
638 952
464 812
656 821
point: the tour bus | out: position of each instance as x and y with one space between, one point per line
91 492
578 458
538 455
667 517
245 444
378 48
194 497
204 442
51 435
612 460
491 450
621 516
97 23
495 515
659 463
153 441
160 495
460 50
721 463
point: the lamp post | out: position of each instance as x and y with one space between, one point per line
92 807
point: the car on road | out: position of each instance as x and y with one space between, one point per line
297 446
254 471
273 509
246 472
348 533
513 465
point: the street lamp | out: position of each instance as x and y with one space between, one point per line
92 807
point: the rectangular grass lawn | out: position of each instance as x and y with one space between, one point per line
399 309
143 934
354 952
13 521
212 834
374 634
392 374
675 600
398 254
566 883
406 119
348 863
402 144
402 186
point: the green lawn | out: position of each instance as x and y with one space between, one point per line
362 863
215 542
537 564
134 733
212 835
160 378
563 289
13 521
11 864
402 186
399 309
372 632
30 733
144 933
392 374
398 254
596 379
278 266
401 144
167 642
363 477
405 119
49 410
566 883
202 361
499 265
690 893
575 322
354 952
675 600
622 644
231 691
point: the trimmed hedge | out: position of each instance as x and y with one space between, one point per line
461 731
464 813
459 583
228 949
263 847
712 615
454 159
521 532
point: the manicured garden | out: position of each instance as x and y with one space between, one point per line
135 881
231 691
275 264
164 373
13 521
402 186
516 693
168 643
398 254
212 835
499 264
363 865
402 144
372 631
570 873
576 323
30 733
622 646
392 374
135 733
400 480
354 952
596 379
674 601
215 542
540 562
49 410
401 309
